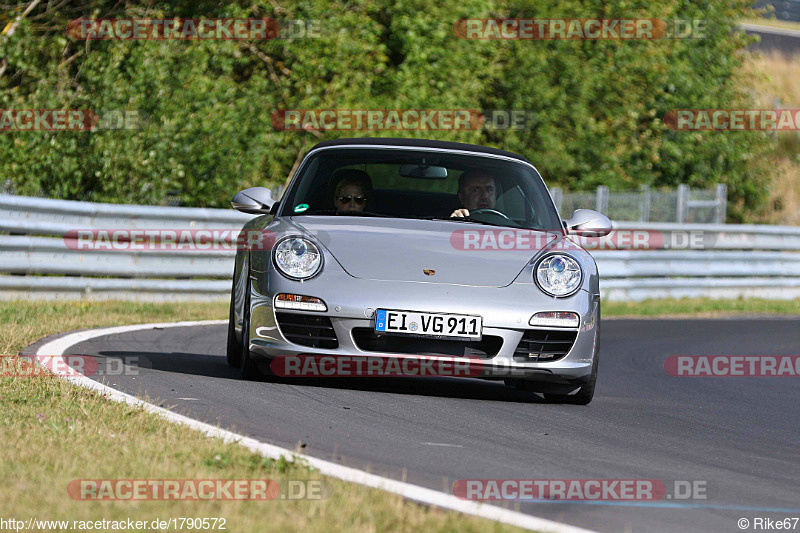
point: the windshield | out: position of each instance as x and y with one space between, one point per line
420 184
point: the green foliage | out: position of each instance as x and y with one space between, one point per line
598 105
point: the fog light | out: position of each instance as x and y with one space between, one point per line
301 303
558 319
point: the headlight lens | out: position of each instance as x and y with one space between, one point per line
559 275
297 258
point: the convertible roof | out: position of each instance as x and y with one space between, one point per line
423 143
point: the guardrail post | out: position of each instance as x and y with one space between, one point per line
644 203
558 197
601 204
776 105
683 196
722 203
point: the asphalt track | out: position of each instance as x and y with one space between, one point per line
774 39
737 436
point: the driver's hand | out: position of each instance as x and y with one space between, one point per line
460 213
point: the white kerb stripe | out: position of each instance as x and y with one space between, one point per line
61 345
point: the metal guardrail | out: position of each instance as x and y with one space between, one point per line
42 255
36 261
723 236
52 287
680 205
772 39
41 216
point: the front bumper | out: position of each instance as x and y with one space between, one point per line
505 311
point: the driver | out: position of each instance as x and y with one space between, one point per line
352 191
476 190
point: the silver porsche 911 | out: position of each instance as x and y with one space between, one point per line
392 248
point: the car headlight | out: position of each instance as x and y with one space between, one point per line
559 275
297 258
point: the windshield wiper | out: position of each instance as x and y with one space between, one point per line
466 219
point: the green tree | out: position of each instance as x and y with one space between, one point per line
207 105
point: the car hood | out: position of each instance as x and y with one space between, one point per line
403 249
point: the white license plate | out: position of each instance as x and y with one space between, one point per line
428 324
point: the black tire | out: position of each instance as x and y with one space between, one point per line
585 393
234 349
249 370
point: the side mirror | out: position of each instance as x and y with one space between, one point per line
255 201
588 223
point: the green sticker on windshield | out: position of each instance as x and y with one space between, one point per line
300 208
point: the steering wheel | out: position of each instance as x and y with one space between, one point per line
490 211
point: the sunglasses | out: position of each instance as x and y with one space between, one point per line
360 200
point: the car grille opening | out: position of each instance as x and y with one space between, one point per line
314 331
544 345
367 340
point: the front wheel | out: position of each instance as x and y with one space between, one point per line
584 394
234 349
249 370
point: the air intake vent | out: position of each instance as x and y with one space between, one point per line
544 345
367 340
307 330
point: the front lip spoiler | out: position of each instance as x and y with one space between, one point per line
491 370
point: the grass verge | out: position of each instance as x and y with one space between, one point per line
773 23
700 308
775 84
54 432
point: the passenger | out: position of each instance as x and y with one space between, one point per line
352 191
476 190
